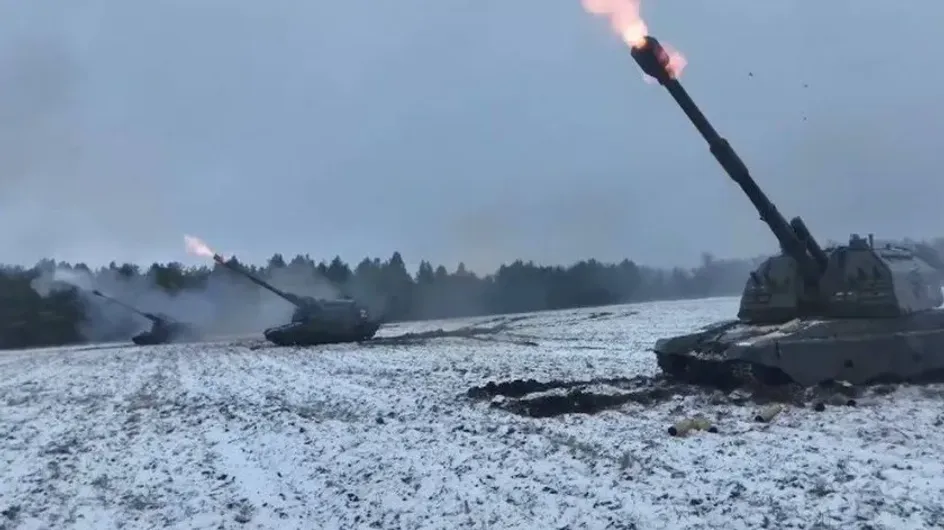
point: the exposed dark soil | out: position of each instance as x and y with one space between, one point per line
517 388
576 398
517 396
579 401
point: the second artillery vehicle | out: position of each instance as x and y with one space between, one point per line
859 312
163 328
314 321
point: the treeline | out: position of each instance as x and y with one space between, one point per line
29 318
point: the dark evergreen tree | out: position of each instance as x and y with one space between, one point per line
387 287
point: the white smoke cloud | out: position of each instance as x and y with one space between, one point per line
227 304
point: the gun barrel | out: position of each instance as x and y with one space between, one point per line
148 316
653 60
256 280
819 256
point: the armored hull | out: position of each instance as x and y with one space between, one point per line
809 351
313 333
314 321
162 334
163 328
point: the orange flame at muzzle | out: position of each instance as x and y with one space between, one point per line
625 17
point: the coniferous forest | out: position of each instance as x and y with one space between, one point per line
34 312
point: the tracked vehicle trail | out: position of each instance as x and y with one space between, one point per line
501 331
495 330
558 397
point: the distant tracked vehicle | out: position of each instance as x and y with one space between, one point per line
314 321
163 328
859 312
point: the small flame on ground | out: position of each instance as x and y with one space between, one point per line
627 21
197 247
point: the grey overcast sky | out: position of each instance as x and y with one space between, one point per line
456 130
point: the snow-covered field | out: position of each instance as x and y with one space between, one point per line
238 435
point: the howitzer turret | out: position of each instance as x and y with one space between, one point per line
314 321
163 328
858 312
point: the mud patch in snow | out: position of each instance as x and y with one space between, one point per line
529 397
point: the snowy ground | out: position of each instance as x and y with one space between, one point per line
236 435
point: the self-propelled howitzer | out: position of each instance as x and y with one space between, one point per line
163 328
314 321
859 312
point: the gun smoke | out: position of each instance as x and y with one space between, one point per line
226 305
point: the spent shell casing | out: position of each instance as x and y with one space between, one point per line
768 413
682 427
841 401
701 423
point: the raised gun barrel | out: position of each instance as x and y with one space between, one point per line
291 298
654 61
150 316
800 229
